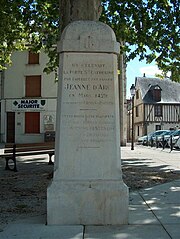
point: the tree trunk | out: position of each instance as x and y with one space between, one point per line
73 10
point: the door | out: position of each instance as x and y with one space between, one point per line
10 127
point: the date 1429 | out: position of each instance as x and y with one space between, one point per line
100 95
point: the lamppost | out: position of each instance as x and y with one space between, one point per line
132 90
1 97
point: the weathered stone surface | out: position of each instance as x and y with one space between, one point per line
87 187
88 202
88 36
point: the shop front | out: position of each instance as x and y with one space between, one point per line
28 120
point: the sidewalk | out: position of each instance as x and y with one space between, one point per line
154 213
170 160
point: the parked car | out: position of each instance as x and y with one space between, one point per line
175 137
142 140
153 136
177 144
163 138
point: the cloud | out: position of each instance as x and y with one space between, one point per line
150 70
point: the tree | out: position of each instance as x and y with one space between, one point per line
148 29
71 10
29 24
151 27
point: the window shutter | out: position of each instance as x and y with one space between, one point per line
32 122
33 86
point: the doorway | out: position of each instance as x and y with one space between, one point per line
10 127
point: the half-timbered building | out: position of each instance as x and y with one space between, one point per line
156 105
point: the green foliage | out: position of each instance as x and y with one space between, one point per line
28 24
148 29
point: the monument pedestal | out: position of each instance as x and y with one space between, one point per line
97 202
87 186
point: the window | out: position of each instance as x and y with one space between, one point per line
33 86
33 58
138 130
32 122
137 94
157 93
158 110
137 111
158 127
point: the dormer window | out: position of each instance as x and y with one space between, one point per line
155 92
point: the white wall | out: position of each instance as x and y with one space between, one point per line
14 88
14 85
164 126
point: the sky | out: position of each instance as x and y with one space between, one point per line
136 68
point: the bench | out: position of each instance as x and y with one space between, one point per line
11 151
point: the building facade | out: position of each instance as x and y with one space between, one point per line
28 99
156 106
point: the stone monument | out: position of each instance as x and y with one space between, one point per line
87 187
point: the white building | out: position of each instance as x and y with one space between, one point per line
28 99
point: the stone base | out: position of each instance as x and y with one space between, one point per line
96 202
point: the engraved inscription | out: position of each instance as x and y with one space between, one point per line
88 41
88 92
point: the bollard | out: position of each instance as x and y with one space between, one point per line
163 142
156 142
171 143
14 157
151 142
